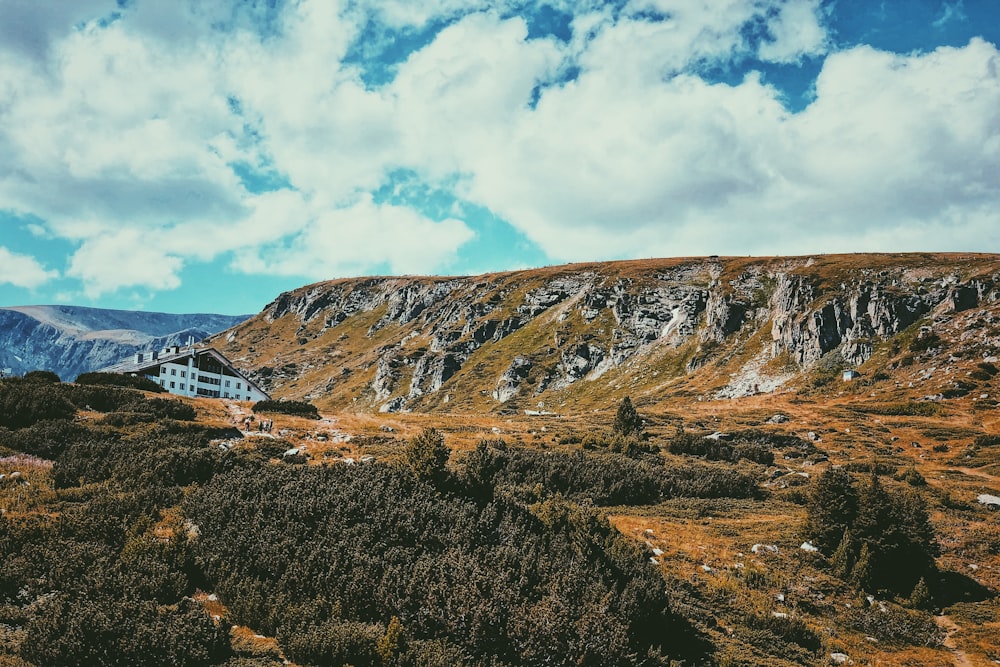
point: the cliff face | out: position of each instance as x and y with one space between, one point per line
573 335
72 340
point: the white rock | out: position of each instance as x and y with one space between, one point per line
808 546
993 502
841 659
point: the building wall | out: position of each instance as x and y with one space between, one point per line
184 379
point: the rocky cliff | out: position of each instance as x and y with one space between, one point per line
71 340
572 336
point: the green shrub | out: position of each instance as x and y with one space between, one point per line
42 377
602 478
426 455
627 420
46 439
895 626
140 382
123 632
903 409
326 555
751 445
23 403
296 408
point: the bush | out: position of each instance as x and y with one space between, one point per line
297 408
326 556
749 445
891 543
46 439
123 632
905 409
426 455
627 420
23 403
158 457
896 626
120 380
604 478
42 377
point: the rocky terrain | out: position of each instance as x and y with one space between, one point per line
571 337
71 340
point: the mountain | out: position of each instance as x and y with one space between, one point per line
70 340
577 337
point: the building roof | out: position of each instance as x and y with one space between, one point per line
131 366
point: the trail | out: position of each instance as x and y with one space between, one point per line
950 628
975 472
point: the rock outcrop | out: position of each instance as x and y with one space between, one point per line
408 343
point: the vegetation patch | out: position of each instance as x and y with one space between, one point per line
901 409
120 380
296 408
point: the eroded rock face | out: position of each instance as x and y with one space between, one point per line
510 381
807 325
575 326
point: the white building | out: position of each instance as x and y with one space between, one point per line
192 372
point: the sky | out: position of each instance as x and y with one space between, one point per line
206 155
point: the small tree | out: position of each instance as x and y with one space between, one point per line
921 598
388 646
627 420
832 508
842 560
426 454
861 573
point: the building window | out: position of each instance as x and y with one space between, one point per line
227 384
226 395
173 371
163 370
183 374
173 385
239 385
182 386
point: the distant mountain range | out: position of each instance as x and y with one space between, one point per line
71 340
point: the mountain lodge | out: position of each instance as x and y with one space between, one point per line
192 372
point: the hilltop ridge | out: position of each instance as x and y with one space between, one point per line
574 337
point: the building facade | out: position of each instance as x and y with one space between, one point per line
188 371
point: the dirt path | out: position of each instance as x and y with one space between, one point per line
950 628
975 472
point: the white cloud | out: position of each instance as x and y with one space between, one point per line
121 136
797 31
352 240
895 149
23 270
125 258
